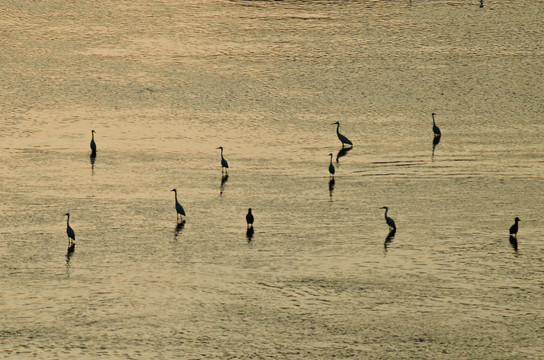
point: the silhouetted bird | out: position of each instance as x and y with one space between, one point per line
436 129
249 218
71 234
514 228
179 208
388 220
341 137
331 166
93 144
224 163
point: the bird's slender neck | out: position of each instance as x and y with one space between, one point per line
433 119
92 134
176 195
331 157
385 212
221 151
67 219
337 128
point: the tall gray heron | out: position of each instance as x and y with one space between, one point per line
388 220
93 144
71 234
179 209
341 137
224 163
436 129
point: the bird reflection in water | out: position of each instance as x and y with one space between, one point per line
389 239
342 152
331 187
436 141
178 229
514 243
249 234
92 159
224 179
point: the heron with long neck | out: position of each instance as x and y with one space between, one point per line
436 129
70 232
179 209
388 220
224 163
93 144
341 137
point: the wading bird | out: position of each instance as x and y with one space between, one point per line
388 220
93 144
436 129
341 137
249 218
71 234
179 208
514 228
331 166
224 163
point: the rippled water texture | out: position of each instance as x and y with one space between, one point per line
164 83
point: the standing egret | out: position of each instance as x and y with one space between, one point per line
436 129
341 137
388 220
224 163
71 234
249 218
514 228
331 166
93 144
179 208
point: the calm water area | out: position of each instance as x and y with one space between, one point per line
165 82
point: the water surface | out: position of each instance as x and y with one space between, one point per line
165 83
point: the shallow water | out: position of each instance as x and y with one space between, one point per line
165 83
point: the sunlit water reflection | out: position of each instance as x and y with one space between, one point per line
164 84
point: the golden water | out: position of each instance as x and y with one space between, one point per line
164 83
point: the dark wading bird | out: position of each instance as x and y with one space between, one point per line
514 228
224 163
249 218
179 209
93 144
341 137
388 220
331 167
436 129
71 234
